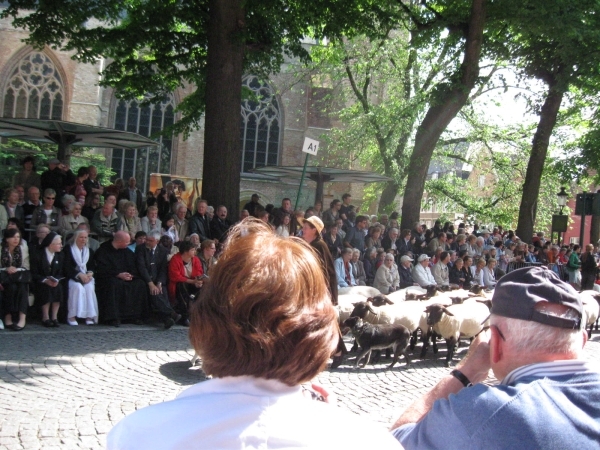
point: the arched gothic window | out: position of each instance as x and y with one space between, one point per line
34 89
261 121
146 120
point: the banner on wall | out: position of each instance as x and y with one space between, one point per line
186 189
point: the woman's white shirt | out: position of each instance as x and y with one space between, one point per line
246 413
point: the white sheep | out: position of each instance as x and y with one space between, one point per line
456 321
591 308
365 291
400 295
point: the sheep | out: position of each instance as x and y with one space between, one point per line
379 337
454 321
591 308
409 314
431 291
346 305
379 300
365 291
476 289
401 294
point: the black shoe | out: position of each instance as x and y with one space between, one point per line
16 327
337 362
169 323
176 317
55 323
185 322
114 323
47 323
138 322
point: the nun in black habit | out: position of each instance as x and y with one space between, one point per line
47 270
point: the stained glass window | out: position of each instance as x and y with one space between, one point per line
34 89
260 125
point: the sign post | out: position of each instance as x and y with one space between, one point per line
310 147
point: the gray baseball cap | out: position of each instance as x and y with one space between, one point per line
518 292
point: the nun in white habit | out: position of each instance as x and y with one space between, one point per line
79 268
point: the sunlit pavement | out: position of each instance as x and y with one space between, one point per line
65 388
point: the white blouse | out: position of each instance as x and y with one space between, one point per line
246 413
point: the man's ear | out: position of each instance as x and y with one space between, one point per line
585 337
496 347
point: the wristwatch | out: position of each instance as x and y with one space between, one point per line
461 377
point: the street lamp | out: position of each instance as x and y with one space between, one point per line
562 199
560 221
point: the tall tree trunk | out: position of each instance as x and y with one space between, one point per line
451 98
388 195
535 167
225 58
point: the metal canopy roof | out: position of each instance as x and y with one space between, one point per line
67 134
323 174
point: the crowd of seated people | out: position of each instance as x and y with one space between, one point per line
83 253
150 254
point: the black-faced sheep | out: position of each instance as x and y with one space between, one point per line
456 321
380 300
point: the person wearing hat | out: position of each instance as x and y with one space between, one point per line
422 273
252 205
311 233
548 396
405 272
47 271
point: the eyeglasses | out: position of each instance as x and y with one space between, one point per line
499 332
50 198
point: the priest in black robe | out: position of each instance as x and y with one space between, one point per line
121 292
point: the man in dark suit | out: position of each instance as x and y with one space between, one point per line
133 194
252 205
219 224
390 241
152 264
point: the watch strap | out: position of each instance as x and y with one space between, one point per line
461 377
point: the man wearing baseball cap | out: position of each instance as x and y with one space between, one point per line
405 272
422 273
548 397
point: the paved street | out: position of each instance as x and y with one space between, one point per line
66 388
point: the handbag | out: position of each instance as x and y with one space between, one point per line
22 276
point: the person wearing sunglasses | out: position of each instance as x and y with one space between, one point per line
47 213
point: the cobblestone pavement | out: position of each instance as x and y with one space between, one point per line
66 388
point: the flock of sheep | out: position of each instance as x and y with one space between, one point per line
394 321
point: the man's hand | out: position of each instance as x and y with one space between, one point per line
476 364
154 289
125 276
10 270
51 283
475 367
